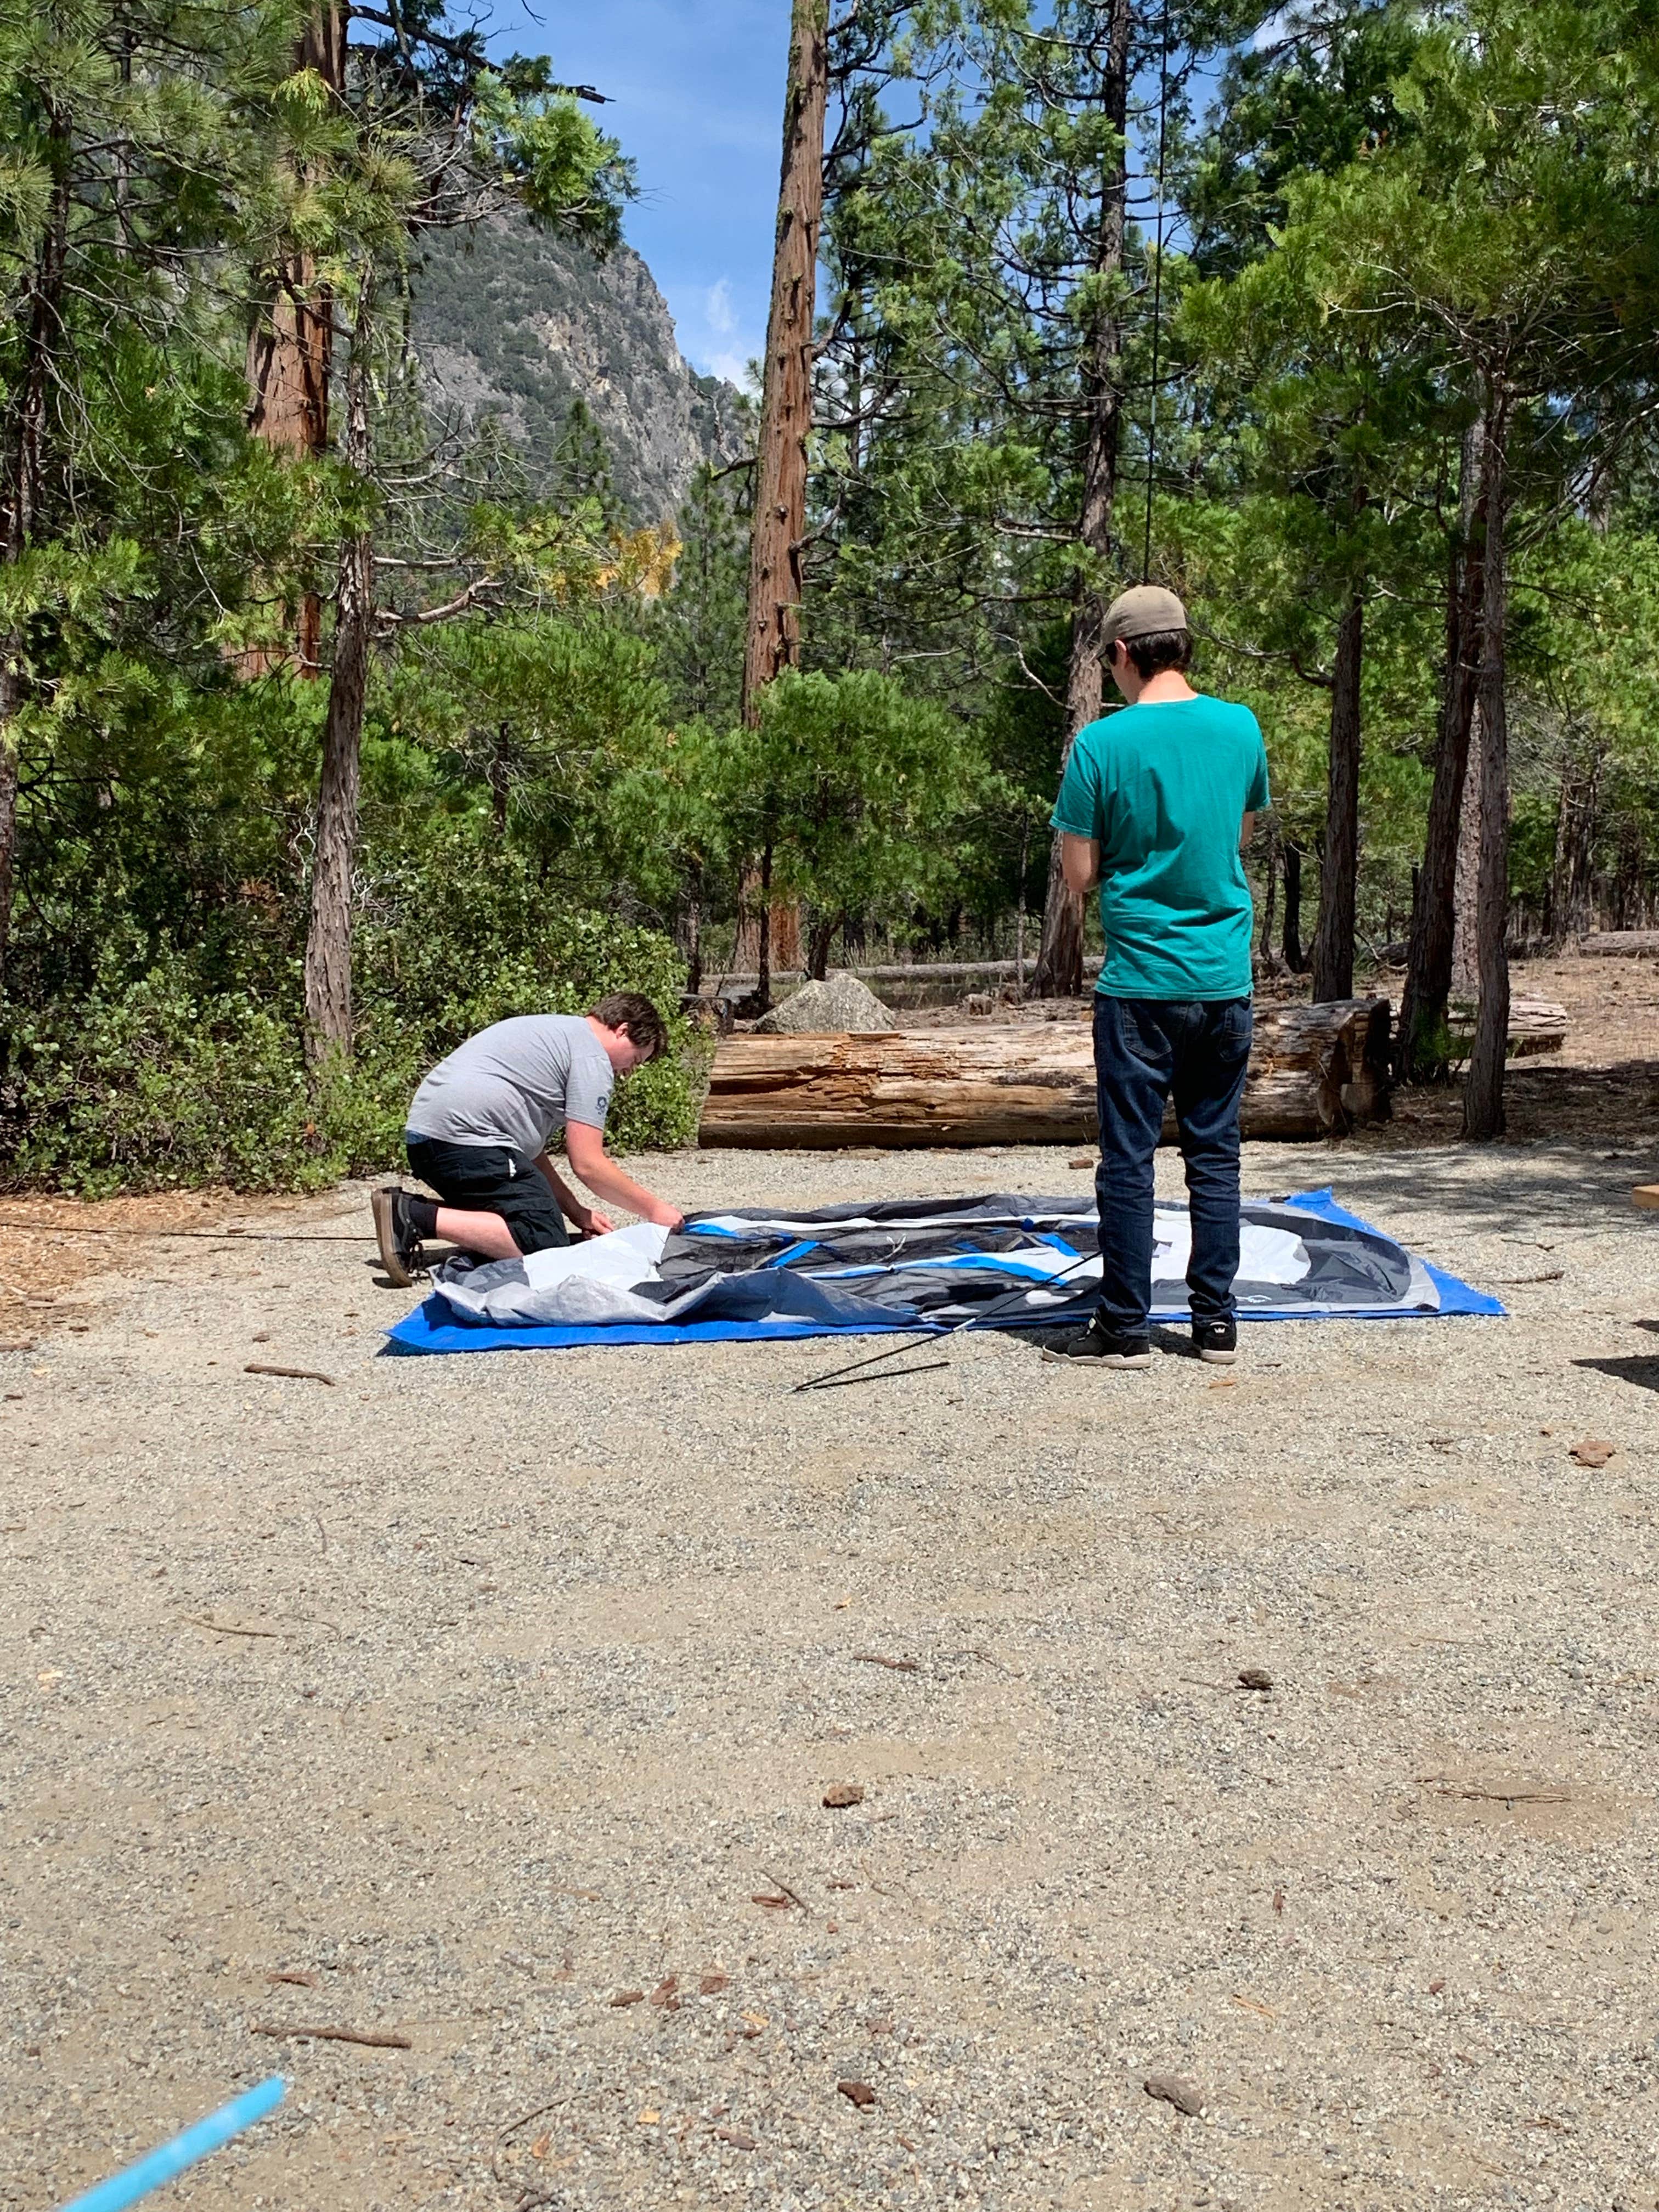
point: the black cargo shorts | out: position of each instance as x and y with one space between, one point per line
492 1179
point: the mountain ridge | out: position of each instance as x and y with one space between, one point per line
512 322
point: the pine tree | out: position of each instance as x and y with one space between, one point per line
137 138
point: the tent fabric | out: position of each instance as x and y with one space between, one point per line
759 1273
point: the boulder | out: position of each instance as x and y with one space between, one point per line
840 1006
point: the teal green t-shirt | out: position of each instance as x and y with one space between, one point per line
1164 787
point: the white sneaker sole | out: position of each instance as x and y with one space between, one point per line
1107 1359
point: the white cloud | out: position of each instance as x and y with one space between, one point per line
733 367
717 309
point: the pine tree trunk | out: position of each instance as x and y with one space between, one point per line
1059 970
1333 951
780 518
763 960
1483 1090
694 933
328 940
823 937
778 530
1466 881
1292 938
1419 1053
290 348
1270 892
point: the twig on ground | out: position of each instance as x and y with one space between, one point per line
784 1889
369 2036
1443 1788
293 1374
879 1659
525 2118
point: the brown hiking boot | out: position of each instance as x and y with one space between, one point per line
394 1232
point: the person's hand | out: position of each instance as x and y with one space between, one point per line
665 1216
598 1224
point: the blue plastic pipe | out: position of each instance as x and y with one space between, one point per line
166 2164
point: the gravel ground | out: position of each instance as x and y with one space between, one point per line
461 1698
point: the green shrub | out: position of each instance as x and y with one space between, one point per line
148 1084
153 1081
467 939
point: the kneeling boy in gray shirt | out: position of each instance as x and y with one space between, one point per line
481 1123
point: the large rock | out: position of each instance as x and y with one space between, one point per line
838 1005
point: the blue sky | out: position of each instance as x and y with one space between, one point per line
696 99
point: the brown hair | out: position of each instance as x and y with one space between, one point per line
633 1013
1158 650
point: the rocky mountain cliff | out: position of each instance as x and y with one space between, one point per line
511 322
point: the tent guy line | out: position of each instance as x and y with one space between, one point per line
204 1236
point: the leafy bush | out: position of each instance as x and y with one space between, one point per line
152 1080
148 1083
469 939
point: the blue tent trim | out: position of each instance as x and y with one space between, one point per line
1456 1296
432 1329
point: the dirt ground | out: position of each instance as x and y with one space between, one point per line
490 1703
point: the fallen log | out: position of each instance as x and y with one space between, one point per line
1536 1025
1314 1071
1620 944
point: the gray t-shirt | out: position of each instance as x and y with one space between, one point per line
515 1083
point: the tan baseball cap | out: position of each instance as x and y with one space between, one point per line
1142 612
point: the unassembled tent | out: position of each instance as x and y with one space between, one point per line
909 1264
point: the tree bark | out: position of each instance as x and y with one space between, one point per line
1483 1089
1270 893
290 348
1419 1053
778 529
763 933
328 940
1466 880
694 933
1333 951
1059 970
1291 941
823 937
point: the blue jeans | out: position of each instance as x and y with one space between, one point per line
1146 1051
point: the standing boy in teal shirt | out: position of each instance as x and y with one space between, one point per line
1156 806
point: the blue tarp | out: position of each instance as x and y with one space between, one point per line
433 1327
